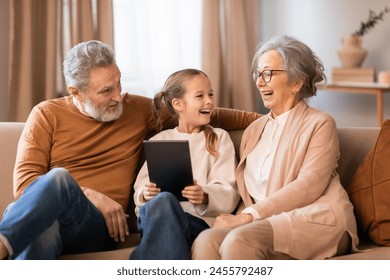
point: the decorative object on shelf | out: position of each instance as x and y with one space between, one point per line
351 53
384 77
363 75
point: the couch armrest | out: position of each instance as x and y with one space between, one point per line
9 138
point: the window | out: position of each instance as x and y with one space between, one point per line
154 38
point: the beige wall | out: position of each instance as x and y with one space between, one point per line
3 59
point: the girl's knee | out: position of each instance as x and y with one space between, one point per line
163 200
165 197
164 205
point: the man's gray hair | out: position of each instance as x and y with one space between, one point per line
82 58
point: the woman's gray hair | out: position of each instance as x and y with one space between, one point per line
300 63
82 58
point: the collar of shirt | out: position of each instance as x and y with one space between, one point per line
281 119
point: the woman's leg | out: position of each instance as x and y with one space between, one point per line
345 245
206 246
252 241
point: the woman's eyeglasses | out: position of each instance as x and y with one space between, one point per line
266 75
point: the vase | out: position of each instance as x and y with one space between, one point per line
351 53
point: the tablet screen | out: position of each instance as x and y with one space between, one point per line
169 165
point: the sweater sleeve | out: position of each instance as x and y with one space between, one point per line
221 187
33 153
232 119
142 179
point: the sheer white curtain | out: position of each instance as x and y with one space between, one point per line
153 39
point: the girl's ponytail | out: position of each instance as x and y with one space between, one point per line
211 140
156 109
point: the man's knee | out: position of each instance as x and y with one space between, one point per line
56 179
60 176
56 185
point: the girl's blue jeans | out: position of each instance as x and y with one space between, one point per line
167 231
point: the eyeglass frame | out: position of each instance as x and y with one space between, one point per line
256 74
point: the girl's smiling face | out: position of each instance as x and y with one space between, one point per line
279 94
195 107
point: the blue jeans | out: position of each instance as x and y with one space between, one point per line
167 231
54 217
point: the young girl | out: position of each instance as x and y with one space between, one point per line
168 227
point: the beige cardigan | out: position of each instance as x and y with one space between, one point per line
305 202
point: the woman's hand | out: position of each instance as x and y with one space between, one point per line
112 212
232 221
195 194
150 191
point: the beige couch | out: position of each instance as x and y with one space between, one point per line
354 145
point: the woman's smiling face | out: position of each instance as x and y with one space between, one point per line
278 94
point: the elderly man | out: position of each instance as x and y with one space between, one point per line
77 158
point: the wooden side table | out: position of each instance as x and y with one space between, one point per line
378 89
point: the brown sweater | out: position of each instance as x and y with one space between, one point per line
100 156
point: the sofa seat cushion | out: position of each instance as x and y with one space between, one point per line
122 252
369 190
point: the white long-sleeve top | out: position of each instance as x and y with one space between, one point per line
216 175
259 161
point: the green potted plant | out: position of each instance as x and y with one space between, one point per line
352 54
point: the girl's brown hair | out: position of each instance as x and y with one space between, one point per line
174 87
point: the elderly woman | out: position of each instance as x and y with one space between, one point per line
294 206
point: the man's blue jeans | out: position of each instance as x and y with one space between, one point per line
53 217
167 231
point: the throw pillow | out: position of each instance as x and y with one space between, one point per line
369 190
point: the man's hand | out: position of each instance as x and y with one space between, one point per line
112 212
232 221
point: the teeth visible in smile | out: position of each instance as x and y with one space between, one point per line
268 93
205 111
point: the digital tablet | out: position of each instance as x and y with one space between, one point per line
169 165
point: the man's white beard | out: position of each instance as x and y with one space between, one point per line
103 114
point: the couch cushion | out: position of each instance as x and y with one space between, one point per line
369 190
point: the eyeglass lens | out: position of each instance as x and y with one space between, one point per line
266 75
